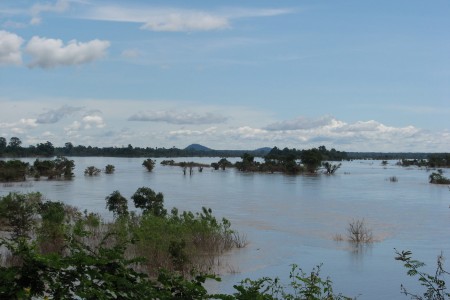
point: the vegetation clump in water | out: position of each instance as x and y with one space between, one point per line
438 177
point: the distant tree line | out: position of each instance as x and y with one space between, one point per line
14 148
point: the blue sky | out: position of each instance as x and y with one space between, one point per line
353 75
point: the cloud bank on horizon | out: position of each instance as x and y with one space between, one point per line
362 77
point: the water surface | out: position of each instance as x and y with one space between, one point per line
290 219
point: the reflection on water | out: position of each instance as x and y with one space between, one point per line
289 219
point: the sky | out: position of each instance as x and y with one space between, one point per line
351 75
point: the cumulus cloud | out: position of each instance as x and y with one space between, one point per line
28 123
176 19
10 53
58 7
301 123
93 120
173 117
50 53
54 115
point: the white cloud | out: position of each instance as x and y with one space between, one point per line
301 123
176 19
10 44
174 117
59 6
188 133
50 53
93 120
28 123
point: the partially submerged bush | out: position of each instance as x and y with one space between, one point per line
439 178
13 170
331 168
393 179
58 168
149 164
358 232
92 171
109 169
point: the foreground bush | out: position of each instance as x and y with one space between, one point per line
434 284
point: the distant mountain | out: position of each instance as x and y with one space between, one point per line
197 147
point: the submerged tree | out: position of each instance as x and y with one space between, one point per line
439 178
331 168
312 159
149 164
109 169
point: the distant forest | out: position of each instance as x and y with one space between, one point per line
14 148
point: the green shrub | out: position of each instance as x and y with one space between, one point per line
109 169
149 164
13 170
92 171
439 178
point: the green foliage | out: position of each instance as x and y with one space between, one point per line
3 145
168 162
117 204
224 163
19 212
434 283
45 149
149 201
302 286
149 164
438 178
109 169
51 231
92 171
13 170
312 159
247 164
58 168
439 160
